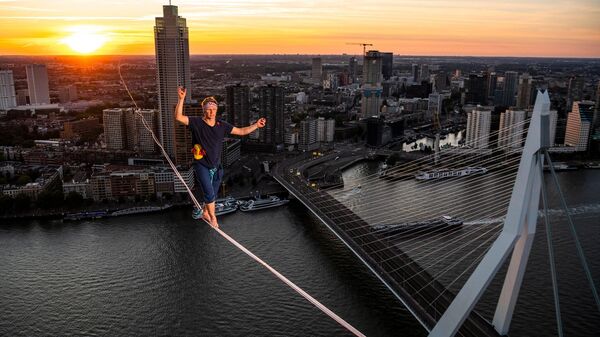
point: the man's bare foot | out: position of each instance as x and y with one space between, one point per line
214 223
206 217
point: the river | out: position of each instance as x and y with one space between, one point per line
168 275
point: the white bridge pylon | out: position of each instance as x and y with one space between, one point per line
516 236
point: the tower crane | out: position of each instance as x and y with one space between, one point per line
361 44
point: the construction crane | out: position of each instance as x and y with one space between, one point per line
361 44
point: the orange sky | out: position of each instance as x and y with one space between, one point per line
551 28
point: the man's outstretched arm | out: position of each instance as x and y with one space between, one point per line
249 129
179 108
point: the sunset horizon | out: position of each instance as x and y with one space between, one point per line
408 28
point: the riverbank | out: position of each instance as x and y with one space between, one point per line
263 187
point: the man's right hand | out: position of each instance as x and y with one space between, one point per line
181 91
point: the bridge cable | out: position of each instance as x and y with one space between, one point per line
574 232
550 249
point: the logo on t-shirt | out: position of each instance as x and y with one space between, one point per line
198 152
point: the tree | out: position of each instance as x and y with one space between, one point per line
22 202
6 204
23 180
50 199
393 159
74 200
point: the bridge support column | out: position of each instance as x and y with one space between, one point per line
518 261
517 235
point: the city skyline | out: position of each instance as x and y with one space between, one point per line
463 28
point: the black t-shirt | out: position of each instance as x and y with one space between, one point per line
209 139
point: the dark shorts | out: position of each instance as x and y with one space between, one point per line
208 181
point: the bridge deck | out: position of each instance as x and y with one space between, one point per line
389 264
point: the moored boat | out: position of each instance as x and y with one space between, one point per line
420 226
262 203
449 173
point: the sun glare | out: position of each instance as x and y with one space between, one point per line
85 40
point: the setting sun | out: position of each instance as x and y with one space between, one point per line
85 40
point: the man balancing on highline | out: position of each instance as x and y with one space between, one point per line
207 136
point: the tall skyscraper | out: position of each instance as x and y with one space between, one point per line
8 98
415 72
575 93
579 125
317 69
371 84
37 83
553 123
387 65
440 82
238 105
510 133
424 73
353 69
524 91
172 70
475 87
478 128
491 86
271 107
511 84
115 134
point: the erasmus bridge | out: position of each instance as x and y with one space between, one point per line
439 272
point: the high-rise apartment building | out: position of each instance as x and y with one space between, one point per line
424 73
387 65
434 104
37 84
475 87
307 135
68 93
124 129
371 84
238 105
22 96
415 72
353 69
579 125
490 89
317 69
272 108
575 90
115 134
510 132
139 137
171 43
511 84
553 123
8 98
478 128
325 130
524 91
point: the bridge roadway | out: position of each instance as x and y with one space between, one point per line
392 266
